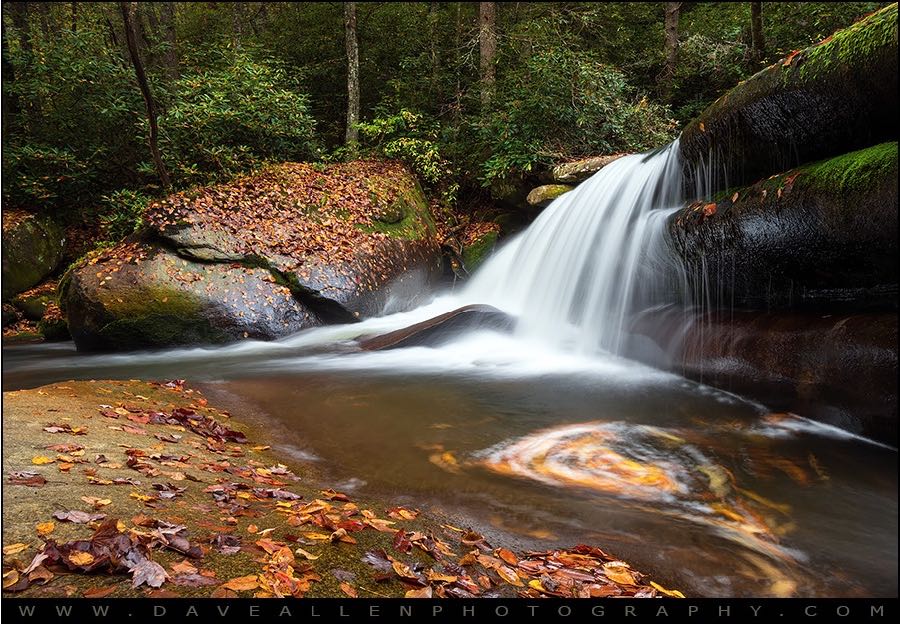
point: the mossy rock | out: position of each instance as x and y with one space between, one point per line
831 98
823 233
32 249
580 170
33 303
476 252
289 247
138 296
53 325
543 196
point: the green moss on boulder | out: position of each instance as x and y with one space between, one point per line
32 249
831 98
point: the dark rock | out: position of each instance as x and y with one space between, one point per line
822 233
157 299
442 328
839 369
34 302
11 314
831 98
32 249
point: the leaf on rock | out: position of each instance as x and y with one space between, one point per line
148 573
242 583
27 477
45 528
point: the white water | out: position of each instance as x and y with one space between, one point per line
593 256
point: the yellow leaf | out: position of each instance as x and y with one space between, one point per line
81 558
243 583
671 593
45 528
41 460
306 554
618 572
14 549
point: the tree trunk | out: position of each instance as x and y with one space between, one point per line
237 23
433 35
20 23
74 6
487 40
668 76
757 39
10 106
44 12
170 57
129 11
352 137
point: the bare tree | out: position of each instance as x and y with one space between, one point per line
673 9
129 12
352 137
757 39
487 41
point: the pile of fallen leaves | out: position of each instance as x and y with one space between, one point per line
293 210
214 519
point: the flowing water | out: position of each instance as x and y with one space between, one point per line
547 436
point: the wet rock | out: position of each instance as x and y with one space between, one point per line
139 296
291 247
580 170
442 328
32 249
542 196
34 302
831 98
840 369
478 243
819 234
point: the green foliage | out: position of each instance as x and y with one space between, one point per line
232 116
412 138
122 213
562 104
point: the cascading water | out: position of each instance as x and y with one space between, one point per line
592 257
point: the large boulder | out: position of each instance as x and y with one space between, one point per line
290 247
831 98
838 368
821 233
32 249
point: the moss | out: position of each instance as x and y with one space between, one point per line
849 47
853 171
474 254
847 50
415 223
160 330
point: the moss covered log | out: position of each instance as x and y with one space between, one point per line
826 231
831 98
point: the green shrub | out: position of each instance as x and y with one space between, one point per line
414 139
121 213
232 116
564 104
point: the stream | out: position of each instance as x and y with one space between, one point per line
710 492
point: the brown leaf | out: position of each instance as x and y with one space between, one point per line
348 589
424 592
148 572
78 517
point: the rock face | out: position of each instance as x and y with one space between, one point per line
831 98
290 247
580 170
440 329
836 368
32 249
821 233
542 196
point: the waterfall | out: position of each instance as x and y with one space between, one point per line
594 256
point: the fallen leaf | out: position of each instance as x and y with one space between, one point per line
348 589
150 573
40 460
45 528
14 549
242 583
81 558
78 517
424 592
